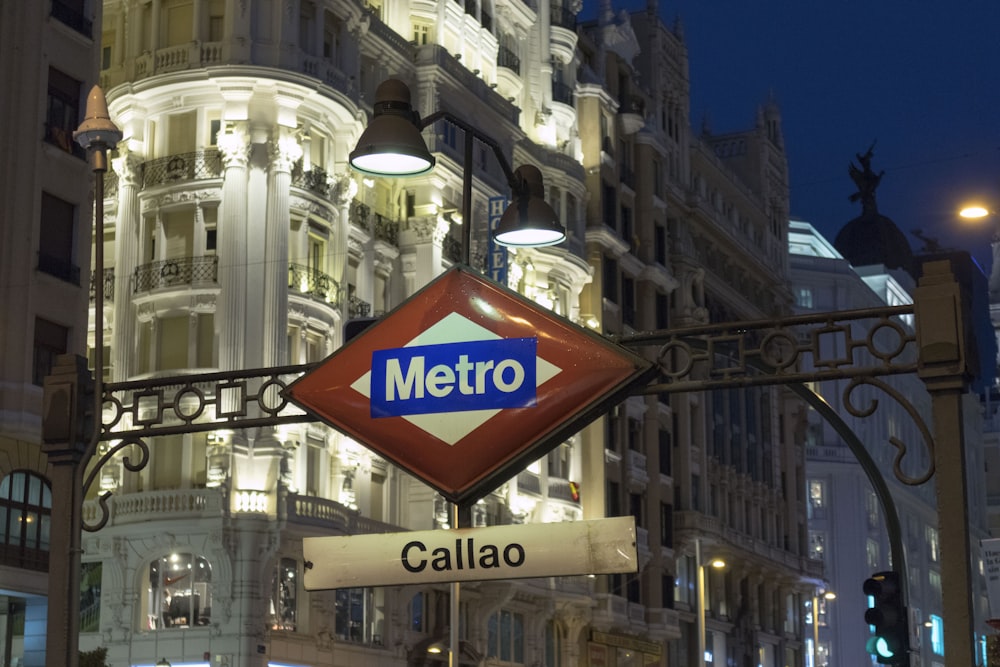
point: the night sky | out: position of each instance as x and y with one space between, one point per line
920 77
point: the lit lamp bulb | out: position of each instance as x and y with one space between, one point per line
974 212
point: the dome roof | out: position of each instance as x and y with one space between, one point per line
873 238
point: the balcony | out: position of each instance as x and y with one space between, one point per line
109 284
172 505
331 517
194 166
508 59
59 267
315 180
180 271
562 33
635 470
72 17
190 55
663 624
316 284
358 308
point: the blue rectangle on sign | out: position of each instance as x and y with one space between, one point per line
453 377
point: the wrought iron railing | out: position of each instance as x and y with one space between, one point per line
315 180
109 284
507 58
307 280
562 93
73 18
60 267
178 271
358 308
193 166
385 229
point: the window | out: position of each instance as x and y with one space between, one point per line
418 613
817 544
284 596
70 12
933 547
559 461
505 636
63 112
359 616
422 33
90 596
872 553
25 520
610 279
55 239
804 297
50 341
179 593
817 499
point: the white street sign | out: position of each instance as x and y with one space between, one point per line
600 546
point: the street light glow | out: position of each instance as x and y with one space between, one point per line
974 212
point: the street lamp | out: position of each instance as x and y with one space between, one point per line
392 145
715 563
818 594
63 442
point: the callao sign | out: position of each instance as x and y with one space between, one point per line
467 382
601 546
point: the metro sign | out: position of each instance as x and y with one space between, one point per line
467 382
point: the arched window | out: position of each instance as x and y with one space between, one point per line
179 593
25 520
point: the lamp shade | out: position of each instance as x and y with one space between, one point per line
391 145
97 127
529 221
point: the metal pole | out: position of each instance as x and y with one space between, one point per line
815 617
467 210
453 613
700 660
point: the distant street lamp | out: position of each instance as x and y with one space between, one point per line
715 563
392 145
818 594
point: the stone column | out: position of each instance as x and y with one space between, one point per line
232 249
346 190
128 247
285 152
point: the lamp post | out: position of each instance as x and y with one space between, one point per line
392 145
66 440
818 594
715 563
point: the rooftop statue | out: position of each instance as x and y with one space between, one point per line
866 181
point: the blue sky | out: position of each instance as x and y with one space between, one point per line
918 76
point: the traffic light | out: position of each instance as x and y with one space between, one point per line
887 616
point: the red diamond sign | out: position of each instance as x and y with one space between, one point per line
467 382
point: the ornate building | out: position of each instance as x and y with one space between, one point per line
236 237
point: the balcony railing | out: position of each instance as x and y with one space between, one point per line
315 180
194 166
61 268
507 58
562 93
307 280
189 271
73 18
358 308
109 284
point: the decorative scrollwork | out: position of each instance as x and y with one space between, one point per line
900 446
130 465
205 402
